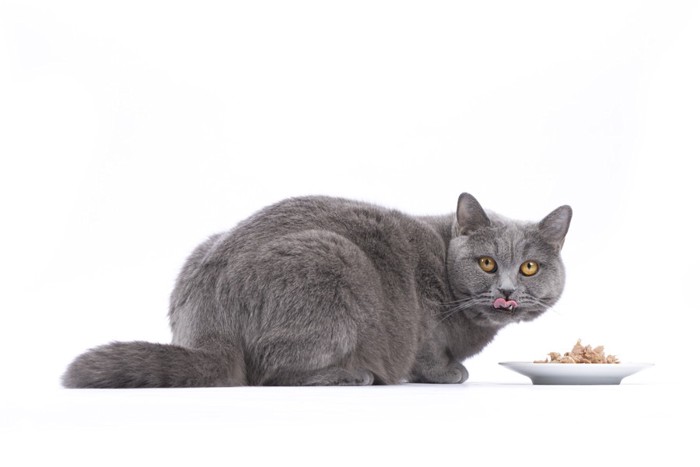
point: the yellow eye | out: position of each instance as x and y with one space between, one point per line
487 263
529 268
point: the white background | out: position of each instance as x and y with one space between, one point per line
131 130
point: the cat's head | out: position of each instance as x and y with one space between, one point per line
503 271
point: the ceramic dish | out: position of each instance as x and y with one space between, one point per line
575 373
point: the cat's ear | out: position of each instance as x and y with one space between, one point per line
470 214
553 228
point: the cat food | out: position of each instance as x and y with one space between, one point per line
581 354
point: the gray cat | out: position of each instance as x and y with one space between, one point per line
328 291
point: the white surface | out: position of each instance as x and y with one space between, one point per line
131 130
469 424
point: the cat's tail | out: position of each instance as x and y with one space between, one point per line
147 365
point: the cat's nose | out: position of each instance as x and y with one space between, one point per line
506 291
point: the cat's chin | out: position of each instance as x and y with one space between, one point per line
490 318
498 318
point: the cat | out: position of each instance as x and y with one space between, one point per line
329 291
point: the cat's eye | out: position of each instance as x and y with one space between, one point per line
529 268
487 263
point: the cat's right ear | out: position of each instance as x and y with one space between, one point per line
470 214
553 228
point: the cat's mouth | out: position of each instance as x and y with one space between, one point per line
501 312
502 303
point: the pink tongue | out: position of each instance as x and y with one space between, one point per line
503 303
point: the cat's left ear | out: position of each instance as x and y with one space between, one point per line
553 228
470 214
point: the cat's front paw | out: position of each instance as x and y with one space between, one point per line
454 373
457 373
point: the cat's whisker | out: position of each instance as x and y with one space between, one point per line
453 311
542 303
454 303
465 304
462 300
450 314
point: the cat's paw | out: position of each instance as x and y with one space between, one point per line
337 377
454 373
354 378
457 373
364 378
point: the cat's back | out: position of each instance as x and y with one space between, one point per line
372 228
393 241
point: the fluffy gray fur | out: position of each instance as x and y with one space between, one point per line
328 291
